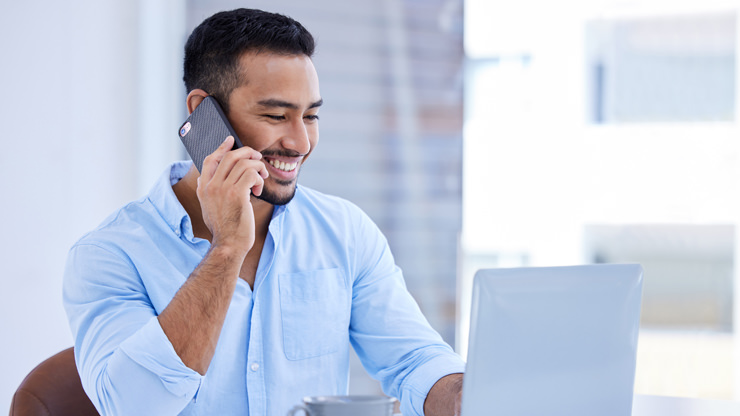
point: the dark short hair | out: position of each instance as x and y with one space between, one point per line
213 49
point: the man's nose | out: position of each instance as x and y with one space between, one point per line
297 138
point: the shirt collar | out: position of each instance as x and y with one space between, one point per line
165 201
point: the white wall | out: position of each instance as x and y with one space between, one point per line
68 154
93 90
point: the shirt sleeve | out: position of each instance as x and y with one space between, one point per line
126 363
392 338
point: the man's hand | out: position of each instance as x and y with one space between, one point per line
445 397
194 318
223 190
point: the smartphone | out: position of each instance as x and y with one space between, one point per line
205 129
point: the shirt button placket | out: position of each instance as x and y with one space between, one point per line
255 377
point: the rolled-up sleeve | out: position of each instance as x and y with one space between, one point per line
126 362
392 338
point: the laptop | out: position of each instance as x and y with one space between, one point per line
553 341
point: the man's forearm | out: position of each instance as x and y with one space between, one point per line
194 318
445 397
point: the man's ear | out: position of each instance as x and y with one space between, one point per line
194 98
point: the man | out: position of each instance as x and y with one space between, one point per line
233 290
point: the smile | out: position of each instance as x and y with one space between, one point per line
285 167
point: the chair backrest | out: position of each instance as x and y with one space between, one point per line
53 388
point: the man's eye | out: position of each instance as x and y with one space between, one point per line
312 117
273 117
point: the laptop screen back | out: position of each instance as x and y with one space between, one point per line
553 341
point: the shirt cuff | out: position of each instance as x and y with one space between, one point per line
418 383
150 348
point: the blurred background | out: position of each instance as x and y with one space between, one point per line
476 133
604 132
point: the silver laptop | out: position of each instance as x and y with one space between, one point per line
553 341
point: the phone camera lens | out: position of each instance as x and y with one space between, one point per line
185 129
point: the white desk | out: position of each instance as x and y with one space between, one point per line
679 406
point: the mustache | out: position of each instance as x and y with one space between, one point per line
281 152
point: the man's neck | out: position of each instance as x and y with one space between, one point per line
185 190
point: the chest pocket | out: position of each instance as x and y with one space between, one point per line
315 309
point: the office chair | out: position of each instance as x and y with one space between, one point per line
53 388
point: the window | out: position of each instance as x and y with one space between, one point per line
661 69
606 131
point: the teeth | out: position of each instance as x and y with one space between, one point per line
287 167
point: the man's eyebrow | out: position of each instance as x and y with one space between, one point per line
317 103
274 102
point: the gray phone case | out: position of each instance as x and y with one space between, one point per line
205 130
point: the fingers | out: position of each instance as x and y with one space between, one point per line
248 174
231 158
237 171
240 168
220 163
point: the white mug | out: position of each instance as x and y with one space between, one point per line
345 406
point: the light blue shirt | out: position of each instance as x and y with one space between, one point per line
325 278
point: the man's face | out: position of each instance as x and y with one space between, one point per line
275 111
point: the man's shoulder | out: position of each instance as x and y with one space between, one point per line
125 223
141 219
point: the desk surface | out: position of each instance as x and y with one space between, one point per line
680 406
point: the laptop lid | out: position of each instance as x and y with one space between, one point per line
553 341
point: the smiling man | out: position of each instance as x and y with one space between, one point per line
234 290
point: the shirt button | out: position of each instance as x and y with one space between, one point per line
255 367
